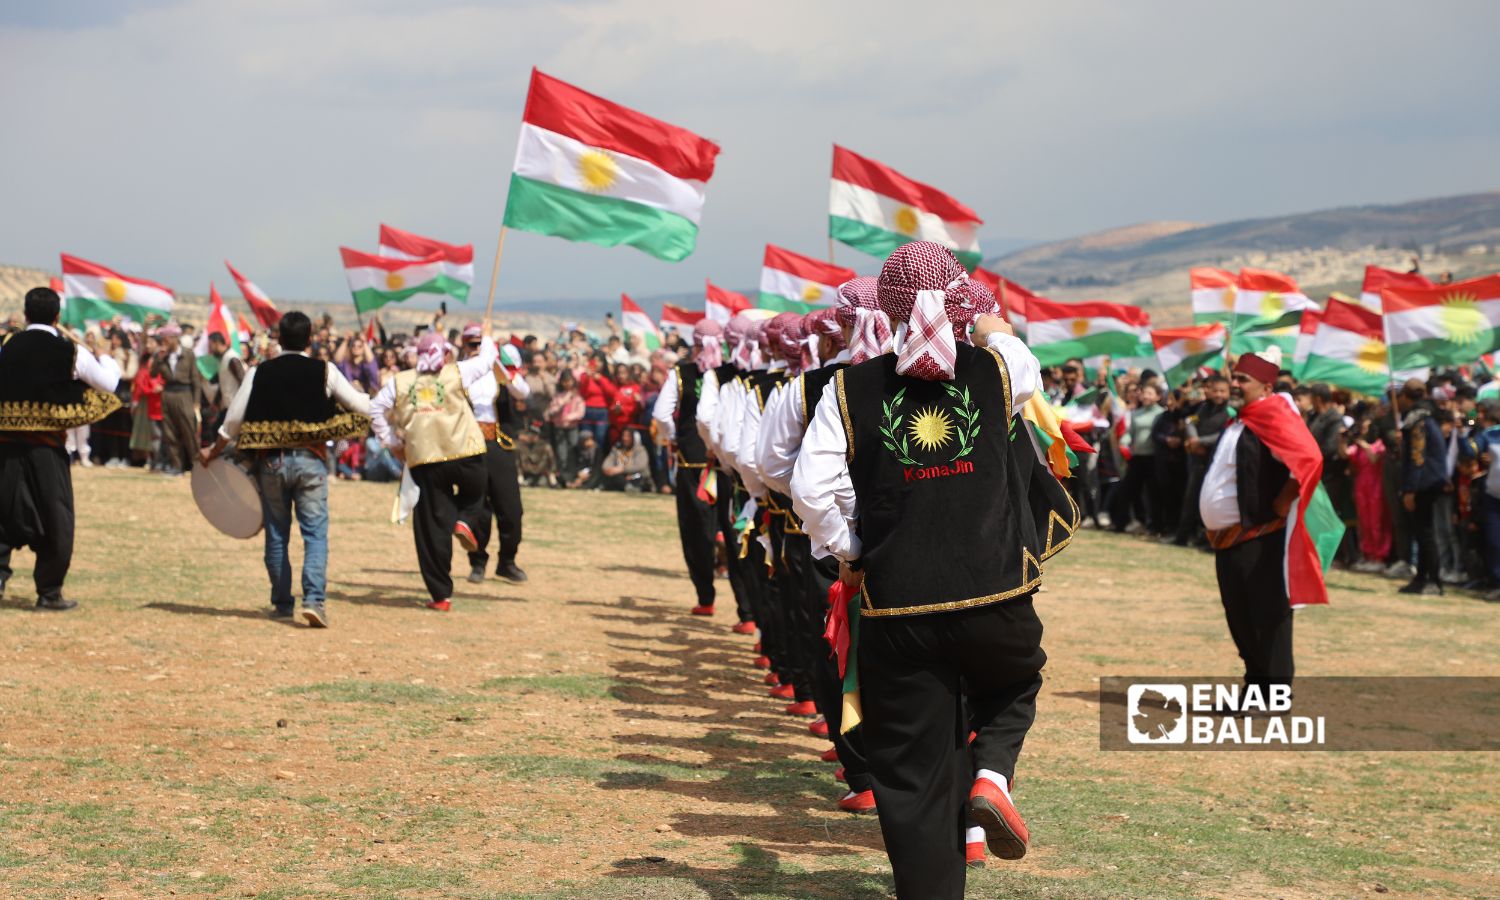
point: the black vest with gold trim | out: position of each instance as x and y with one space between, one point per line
955 509
289 407
37 389
691 451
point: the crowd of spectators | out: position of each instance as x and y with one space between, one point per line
1414 474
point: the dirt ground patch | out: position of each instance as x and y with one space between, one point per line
581 736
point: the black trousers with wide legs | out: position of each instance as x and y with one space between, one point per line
738 571
827 687
698 529
450 489
1253 591
45 470
916 673
502 500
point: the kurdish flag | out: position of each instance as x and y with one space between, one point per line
1378 279
1449 325
591 170
633 320
1014 299
791 282
218 323
1305 334
1181 351
265 311
458 261
721 305
94 293
875 209
1213 294
1268 310
377 280
1349 349
1058 332
679 321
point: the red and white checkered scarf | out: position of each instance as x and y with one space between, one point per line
859 310
923 286
708 344
788 338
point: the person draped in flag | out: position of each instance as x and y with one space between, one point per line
784 422
48 384
423 416
500 423
695 488
1266 465
911 475
282 417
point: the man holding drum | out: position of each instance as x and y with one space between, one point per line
286 411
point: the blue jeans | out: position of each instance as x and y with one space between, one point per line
288 480
596 420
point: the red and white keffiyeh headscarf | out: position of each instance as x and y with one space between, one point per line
823 324
923 286
432 352
787 336
859 310
708 347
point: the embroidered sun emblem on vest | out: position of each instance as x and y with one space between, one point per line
932 429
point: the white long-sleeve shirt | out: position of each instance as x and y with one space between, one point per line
469 371
745 446
708 406
666 408
781 428
727 423
483 393
335 385
100 374
821 490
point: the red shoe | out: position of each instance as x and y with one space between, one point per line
772 679
974 855
1004 831
862 802
819 728
829 755
784 692
745 628
701 610
838 775
802 708
440 605
762 662
465 537
756 648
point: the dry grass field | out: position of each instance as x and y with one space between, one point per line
581 736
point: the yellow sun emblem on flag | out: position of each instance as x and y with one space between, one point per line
812 292
1227 297
598 171
1194 346
1272 305
394 281
114 290
1079 327
1462 319
1371 356
906 220
931 428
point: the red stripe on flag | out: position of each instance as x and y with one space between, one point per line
1017 298
728 299
417 245
72 265
806 266
1394 300
629 305
680 316
358 259
265 311
1209 277
882 179
1266 280
1378 279
1044 310
561 107
1161 337
1351 316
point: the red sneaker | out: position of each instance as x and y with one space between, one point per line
974 855
745 628
838 775
784 692
802 708
465 537
762 662
1004 831
440 605
701 610
772 679
756 648
819 728
831 754
862 802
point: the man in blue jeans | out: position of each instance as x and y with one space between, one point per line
286 412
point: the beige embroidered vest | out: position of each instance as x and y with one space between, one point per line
433 416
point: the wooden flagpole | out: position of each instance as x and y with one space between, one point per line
489 306
830 251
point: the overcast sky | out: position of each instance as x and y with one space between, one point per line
159 138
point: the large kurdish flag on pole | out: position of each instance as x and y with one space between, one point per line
1349 349
1213 293
591 170
791 282
633 320
1451 325
1378 279
1015 300
1181 351
377 280
875 209
93 293
1058 332
458 260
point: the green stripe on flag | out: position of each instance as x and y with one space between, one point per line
877 241
80 309
1437 351
606 221
783 304
1341 373
369 299
1324 526
1106 343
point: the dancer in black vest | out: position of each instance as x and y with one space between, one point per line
911 475
675 416
283 416
500 423
48 383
